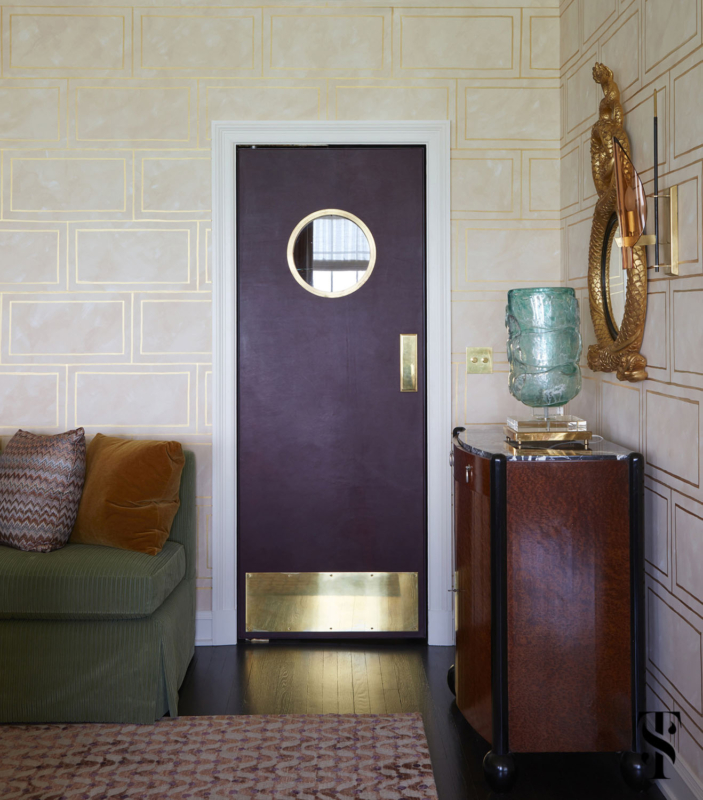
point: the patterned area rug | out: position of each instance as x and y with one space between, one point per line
325 757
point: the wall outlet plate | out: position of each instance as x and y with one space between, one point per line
479 360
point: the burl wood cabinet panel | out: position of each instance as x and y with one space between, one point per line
549 654
568 564
473 596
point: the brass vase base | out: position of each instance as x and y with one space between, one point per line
560 431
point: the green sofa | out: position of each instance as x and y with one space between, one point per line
97 634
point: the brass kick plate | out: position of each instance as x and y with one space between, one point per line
324 602
479 360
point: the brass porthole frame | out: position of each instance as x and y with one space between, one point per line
337 213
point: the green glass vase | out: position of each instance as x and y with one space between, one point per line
544 346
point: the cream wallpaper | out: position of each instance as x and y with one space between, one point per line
105 199
650 44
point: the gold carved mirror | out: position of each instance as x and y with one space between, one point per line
618 298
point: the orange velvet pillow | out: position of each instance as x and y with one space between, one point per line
130 496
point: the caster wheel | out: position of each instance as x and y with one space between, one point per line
451 681
500 771
633 770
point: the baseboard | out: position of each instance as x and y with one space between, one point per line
440 628
203 628
224 627
681 783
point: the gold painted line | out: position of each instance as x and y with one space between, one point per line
463 16
78 281
133 89
79 16
58 114
72 210
208 234
616 31
197 234
143 352
208 118
678 46
198 16
4 371
208 559
699 708
512 43
58 254
132 42
696 147
197 258
197 397
598 30
539 69
331 16
539 210
61 302
207 423
136 425
131 325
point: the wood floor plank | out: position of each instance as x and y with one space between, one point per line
377 698
409 674
289 678
285 669
390 684
345 683
330 685
260 692
299 693
362 703
314 687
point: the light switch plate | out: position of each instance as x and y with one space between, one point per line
479 360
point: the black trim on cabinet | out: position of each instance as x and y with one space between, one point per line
637 621
499 604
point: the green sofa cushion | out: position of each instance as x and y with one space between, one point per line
83 581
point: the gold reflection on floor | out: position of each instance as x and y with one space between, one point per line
316 602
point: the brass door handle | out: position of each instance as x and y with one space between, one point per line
408 362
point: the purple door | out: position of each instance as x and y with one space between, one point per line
331 486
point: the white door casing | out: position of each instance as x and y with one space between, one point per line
220 627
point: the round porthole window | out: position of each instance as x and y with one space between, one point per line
331 253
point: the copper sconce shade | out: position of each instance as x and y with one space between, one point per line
631 202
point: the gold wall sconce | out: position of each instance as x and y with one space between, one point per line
618 297
632 212
672 198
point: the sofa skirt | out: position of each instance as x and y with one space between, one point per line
97 671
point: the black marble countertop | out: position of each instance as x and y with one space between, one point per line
489 440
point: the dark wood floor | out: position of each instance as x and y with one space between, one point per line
371 678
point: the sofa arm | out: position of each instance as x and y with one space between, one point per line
184 528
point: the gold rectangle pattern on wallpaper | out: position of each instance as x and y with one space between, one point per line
105 205
650 44
105 208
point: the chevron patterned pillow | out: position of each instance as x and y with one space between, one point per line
41 480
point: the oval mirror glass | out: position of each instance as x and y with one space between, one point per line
331 253
614 278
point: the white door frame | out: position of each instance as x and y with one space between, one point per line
225 138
